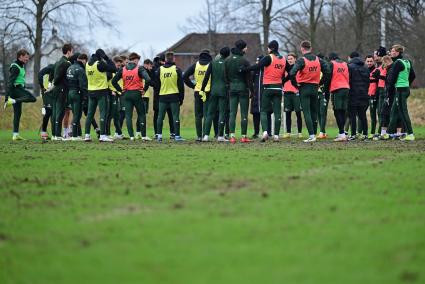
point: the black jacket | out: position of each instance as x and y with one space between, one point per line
389 88
77 78
155 87
204 59
257 78
359 83
50 70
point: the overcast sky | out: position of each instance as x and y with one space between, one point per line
145 24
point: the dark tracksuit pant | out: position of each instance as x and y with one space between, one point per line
133 100
48 106
20 95
271 101
373 109
170 119
381 102
74 99
399 111
113 114
60 94
236 99
308 97
291 102
145 102
94 101
201 110
340 107
227 117
256 119
85 108
175 112
360 113
216 103
323 102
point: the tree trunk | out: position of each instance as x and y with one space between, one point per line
312 22
359 12
37 44
333 20
266 12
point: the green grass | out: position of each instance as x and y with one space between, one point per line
207 213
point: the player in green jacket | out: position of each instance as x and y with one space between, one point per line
16 93
401 77
240 87
218 95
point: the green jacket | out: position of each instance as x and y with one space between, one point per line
143 74
77 78
61 66
215 71
300 64
239 82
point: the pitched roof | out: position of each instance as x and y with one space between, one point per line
193 43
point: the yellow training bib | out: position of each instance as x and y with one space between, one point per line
96 80
168 78
200 71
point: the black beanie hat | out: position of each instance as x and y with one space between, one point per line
240 44
333 56
74 57
274 45
206 51
381 51
354 54
225 52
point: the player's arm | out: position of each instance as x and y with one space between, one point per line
186 77
116 79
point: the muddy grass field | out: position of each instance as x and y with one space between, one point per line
207 213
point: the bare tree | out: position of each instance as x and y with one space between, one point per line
405 24
213 17
10 37
35 17
362 10
301 22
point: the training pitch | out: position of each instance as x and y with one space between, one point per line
133 212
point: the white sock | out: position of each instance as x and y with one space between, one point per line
159 135
15 134
265 133
232 135
87 136
383 131
312 136
43 133
138 133
13 101
321 133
